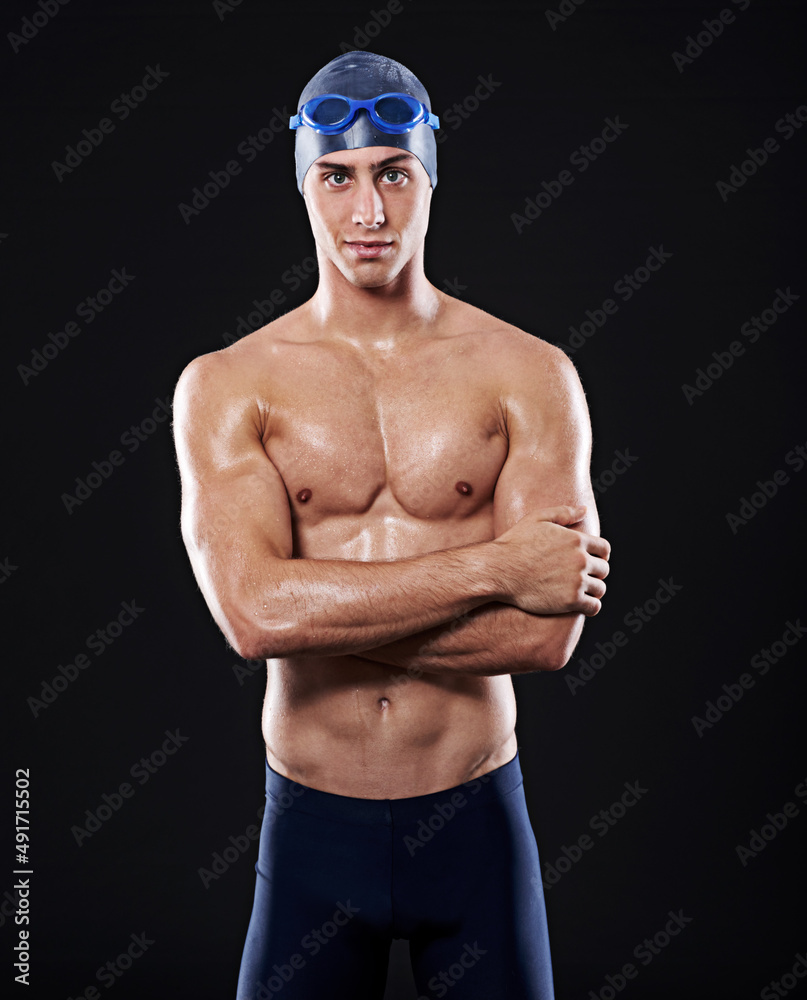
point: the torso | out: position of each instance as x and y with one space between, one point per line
371 446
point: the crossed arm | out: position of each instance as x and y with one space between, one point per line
494 639
512 604
547 464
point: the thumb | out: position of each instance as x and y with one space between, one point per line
562 515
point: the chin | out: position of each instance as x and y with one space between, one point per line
370 274
375 280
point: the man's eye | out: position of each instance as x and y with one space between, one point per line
393 175
338 179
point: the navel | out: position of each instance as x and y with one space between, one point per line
383 703
463 488
304 495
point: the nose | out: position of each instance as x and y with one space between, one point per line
368 206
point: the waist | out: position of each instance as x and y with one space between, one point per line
283 794
363 730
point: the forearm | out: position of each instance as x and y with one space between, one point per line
337 607
491 639
488 640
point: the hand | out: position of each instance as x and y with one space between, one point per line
549 568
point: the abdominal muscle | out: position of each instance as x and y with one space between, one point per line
356 727
365 729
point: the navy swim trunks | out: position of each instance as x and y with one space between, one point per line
455 872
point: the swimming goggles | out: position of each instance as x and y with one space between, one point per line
333 113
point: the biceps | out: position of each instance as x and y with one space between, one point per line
234 516
532 481
236 521
549 458
235 527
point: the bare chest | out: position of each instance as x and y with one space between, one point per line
418 436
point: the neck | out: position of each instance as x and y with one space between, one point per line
382 316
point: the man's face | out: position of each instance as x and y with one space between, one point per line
369 211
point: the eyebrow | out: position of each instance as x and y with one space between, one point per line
344 168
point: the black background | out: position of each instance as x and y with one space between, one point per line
666 515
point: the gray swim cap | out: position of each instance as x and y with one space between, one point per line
362 76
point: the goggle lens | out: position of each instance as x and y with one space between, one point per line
331 111
395 110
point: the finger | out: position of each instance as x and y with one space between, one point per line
598 567
587 602
591 607
598 546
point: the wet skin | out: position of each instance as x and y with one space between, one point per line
381 420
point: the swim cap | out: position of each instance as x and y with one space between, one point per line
362 76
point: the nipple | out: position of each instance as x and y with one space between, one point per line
463 488
304 495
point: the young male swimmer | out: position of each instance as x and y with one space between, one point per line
386 495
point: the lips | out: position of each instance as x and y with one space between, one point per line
368 249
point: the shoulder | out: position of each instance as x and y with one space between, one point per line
517 357
537 385
232 371
204 384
